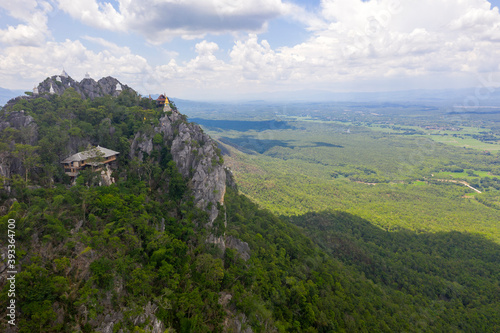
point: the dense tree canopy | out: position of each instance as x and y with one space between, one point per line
137 251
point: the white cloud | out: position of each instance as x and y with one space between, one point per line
22 34
204 72
376 41
90 12
160 21
33 30
352 43
255 61
206 48
24 66
109 47
20 9
387 38
356 45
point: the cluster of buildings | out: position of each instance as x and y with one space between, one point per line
163 100
98 158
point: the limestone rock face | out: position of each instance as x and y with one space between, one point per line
230 179
106 178
110 86
105 323
87 88
238 324
75 145
196 156
4 171
25 123
142 143
240 246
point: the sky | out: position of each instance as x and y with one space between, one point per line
229 49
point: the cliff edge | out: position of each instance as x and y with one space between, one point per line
196 156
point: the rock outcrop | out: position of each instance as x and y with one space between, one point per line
25 124
196 156
106 176
106 323
87 88
240 246
198 160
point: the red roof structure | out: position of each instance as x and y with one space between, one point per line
160 101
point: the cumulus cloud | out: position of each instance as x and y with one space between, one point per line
33 30
109 47
160 21
24 66
204 72
256 61
390 38
354 44
93 13
354 41
350 42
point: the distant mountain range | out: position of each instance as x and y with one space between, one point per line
466 96
6 95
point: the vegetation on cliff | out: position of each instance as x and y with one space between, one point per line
134 256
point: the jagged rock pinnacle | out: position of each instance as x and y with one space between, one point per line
87 88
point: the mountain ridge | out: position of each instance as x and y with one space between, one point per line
205 170
86 88
173 247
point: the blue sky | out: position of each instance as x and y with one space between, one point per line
230 49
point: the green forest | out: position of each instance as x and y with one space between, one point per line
393 180
327 252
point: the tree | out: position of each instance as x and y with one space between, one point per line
28 156
90 177
96 158
210 269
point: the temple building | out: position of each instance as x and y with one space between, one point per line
161 100
166 106
96 157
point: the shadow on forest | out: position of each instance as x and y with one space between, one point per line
441 265
250 145
324 144
242 125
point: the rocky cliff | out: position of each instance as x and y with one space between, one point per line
87 88
21 121
99 248
197 158
25 124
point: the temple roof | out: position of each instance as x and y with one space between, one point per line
84 155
